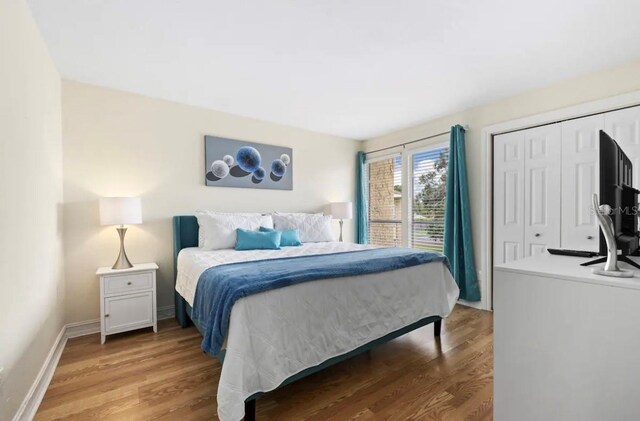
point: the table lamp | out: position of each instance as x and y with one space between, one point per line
121 211
341 211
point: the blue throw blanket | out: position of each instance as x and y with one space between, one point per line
221 286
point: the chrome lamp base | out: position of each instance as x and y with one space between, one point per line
122 262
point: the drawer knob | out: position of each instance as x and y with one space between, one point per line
129 283
537 234
590 237
106 315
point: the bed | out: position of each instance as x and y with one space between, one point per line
278 336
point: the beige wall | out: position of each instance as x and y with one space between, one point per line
31 280
120 144
599 85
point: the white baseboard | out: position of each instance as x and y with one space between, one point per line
88 327
31 402
167 312
473 304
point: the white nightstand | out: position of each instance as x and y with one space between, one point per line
127 299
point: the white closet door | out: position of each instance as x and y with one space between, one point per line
580 178
508 206
624 127
542 149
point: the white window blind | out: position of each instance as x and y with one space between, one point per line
385 201
429 178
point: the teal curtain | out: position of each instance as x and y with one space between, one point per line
458 244
361 200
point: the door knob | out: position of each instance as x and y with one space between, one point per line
537 234
589 237
128 283
106 315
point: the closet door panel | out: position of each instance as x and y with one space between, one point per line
580 179
543 148
624 127
508 209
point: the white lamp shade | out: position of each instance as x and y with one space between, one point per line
342 210
120 211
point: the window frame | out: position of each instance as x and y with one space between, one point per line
406 154
383 157
410 177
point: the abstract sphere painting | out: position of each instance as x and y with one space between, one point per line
236 163
228 159
248 158
278 168
259 173
220 169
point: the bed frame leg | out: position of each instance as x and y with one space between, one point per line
250 410
437 325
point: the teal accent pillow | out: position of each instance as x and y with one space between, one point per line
290 238
256 240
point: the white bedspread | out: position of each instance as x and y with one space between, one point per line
278 333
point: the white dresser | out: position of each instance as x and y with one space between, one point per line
127 299
566 342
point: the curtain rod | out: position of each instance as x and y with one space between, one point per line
465 127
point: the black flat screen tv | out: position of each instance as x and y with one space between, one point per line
616 190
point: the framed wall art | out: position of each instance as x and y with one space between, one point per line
236 163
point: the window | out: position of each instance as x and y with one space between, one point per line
429 178
426 198
385 201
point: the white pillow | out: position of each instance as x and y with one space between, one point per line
313 228
201 233
301 214
218 230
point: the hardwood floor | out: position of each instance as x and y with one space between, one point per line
165 376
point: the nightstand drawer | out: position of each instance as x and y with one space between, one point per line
127 312
128 283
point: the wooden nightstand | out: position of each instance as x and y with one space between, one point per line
127 299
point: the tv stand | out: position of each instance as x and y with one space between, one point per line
604 259
582 324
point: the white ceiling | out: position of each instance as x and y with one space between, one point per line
354 68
